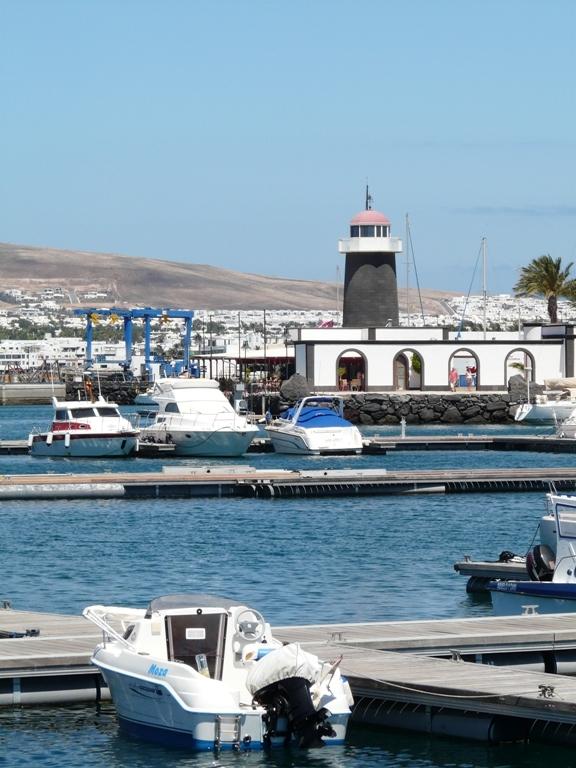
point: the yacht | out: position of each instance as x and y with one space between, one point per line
204 672
197 418
315 425
85 428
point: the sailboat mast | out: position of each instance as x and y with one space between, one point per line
407 273
484 294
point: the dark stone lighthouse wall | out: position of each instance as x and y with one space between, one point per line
370 291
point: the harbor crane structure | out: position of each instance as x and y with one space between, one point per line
128 316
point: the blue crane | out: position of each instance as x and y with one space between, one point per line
147 314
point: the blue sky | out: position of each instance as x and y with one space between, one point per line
241 133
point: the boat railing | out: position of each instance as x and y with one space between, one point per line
98 614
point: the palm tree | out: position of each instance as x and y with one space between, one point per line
545 277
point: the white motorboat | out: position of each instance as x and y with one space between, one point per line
552 569
85 428
315 425
204 672
195 416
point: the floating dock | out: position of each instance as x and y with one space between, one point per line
243 481
382 445
491 678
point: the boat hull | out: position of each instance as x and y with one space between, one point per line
224 442
63 444
544 413
315 441
153 711
509 598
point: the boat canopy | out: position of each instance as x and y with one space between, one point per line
312 412
176 602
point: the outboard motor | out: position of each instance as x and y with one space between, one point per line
540 563
290 700
281 682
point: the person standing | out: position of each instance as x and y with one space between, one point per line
453 378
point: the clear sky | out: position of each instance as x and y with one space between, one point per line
241 133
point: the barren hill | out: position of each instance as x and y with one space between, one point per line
134 281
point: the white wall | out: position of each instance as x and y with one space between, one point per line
436 358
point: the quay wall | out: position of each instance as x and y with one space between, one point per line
367 408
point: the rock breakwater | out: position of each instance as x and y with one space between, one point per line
419 408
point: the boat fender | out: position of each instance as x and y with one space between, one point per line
67 440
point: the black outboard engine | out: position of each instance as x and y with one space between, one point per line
540 563
290 700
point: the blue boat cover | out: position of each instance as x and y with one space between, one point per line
313 417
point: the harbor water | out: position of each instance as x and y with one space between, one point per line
299 561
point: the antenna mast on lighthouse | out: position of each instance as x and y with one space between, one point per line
368 199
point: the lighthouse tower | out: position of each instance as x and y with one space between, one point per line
370 290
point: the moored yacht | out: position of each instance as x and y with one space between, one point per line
315 425
205 672
197 418
85 428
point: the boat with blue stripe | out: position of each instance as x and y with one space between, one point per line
205 673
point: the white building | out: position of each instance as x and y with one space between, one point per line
394 358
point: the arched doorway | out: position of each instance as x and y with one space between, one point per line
519 362
465 362
351 371
408 370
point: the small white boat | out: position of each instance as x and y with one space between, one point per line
197 418
315 425
550 408
85 428
204 673
567 428
552 569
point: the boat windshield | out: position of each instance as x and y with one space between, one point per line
82 413
107 411
198 640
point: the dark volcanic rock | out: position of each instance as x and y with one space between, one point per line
294 388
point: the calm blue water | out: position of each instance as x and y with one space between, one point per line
298 561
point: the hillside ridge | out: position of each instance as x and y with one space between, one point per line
138 281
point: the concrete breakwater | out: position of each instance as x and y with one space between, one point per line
421 408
